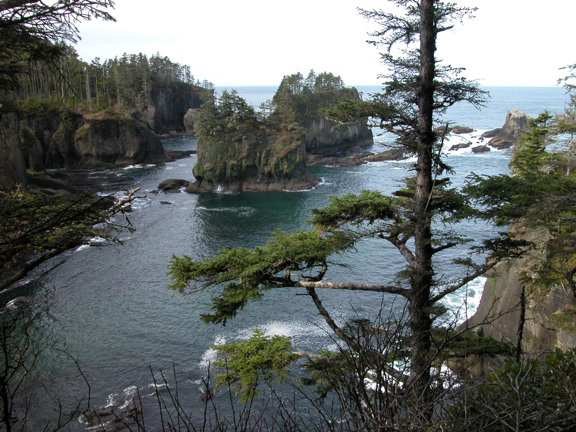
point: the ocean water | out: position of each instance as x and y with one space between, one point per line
110 308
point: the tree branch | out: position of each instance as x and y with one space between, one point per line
479 272
390 289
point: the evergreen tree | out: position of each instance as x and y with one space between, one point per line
32 30
418 91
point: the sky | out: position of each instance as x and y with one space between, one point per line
257 42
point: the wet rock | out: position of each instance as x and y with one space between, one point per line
480 149
462 130
516 122
460 146
173 185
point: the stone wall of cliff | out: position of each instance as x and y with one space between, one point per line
326 137
323 136
70 140
12 166
259 161
169 105
550 312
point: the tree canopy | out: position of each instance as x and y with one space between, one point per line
31 30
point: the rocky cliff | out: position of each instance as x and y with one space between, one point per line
116 141
12 167
328 138
67 139
239 151
169 105
549 313
323 136
260 161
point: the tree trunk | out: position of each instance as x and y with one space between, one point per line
420 322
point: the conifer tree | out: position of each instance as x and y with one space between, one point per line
417 92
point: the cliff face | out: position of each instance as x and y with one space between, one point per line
260 161
170 103
116 142
12 166
550 313
326 137
70 140
323 136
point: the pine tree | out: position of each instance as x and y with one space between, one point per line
418 91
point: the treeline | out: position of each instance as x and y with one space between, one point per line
297 84
122 83
302 100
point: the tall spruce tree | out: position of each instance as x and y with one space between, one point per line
417 92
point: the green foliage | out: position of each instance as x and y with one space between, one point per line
531 395
452 344
366 207
247 272
34 226
530 154
565 318
540 194
303 101
41 107
229 116
248 362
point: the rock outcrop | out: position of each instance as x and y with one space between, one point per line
116 142
169 105
329 138
549 312
504 137
259 161
12 165
69 140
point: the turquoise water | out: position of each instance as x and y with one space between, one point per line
110 307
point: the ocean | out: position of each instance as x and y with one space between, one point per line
108 309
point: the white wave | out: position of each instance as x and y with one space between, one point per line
16 303
210 355
138 166
464 303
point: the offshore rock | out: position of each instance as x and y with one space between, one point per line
505 137
480 149
173 185
259 160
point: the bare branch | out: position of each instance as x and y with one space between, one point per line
390 289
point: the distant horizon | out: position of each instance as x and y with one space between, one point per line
256 43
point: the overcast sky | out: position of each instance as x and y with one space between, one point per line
257 42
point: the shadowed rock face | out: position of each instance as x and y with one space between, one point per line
12 166
170 103
504 137
261 160
117 142
328 138
70 140
498 314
